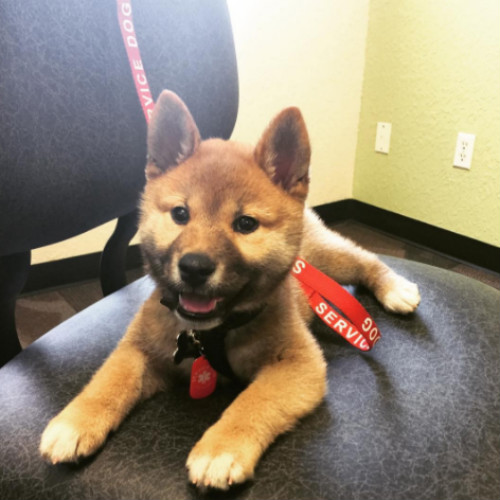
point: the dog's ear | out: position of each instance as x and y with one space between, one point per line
172 134
284 153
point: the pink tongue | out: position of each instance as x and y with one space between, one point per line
197 304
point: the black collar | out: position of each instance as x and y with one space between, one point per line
211 343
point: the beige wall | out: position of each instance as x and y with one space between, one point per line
311 55
290 52
433 70
89 242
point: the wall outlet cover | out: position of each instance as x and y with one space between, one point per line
383 137
464 150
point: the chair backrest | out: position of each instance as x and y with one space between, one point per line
72 132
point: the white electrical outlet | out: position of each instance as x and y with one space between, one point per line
464 150
383 137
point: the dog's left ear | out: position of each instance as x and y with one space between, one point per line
284 153
172 134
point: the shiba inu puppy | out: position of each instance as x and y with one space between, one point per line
221 226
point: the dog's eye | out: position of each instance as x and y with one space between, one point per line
180 215
245 224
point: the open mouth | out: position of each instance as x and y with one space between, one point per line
195 306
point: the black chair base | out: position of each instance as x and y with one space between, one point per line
13 274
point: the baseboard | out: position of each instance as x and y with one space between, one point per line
86 267
434 238
73 270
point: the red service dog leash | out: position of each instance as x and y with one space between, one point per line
134 57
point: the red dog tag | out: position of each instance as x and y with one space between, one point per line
203 379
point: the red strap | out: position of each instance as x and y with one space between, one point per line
134 57
362 332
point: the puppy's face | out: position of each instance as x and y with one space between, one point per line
221 223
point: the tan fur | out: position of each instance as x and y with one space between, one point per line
275 353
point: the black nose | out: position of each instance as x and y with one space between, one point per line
196 268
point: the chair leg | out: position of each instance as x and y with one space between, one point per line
114 255
14 271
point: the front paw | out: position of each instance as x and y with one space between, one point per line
216 471
398 295
220 464
69 437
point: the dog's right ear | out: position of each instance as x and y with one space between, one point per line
284 153
172 134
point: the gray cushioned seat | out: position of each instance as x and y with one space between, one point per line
416 418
